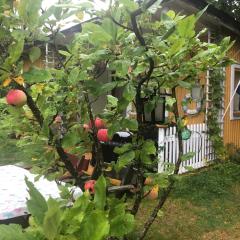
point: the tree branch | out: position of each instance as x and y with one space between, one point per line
120 25
5 70
39 117
31 104
96 147
146 6
140 38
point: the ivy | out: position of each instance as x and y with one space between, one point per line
216 90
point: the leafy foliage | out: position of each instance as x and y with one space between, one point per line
88 218
214 129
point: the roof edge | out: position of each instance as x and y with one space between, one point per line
227 20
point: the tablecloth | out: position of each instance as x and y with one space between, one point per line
14 194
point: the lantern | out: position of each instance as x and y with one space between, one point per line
197 92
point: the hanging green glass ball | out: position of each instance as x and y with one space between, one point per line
186 134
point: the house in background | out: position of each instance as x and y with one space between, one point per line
219 25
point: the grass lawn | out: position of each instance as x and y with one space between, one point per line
205 205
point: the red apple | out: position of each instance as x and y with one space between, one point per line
89 185
16 97
102 135
86 127
99 123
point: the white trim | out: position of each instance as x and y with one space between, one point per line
233 90
207 81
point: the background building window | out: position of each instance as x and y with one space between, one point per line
235 90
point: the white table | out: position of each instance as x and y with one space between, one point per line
14 194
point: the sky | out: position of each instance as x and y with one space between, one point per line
98 4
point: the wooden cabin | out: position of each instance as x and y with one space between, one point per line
219 25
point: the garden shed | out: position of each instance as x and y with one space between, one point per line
219 25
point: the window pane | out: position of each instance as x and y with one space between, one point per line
236 100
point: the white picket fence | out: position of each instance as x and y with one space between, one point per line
198 143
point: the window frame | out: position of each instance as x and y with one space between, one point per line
233 67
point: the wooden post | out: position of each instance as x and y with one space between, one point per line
161 136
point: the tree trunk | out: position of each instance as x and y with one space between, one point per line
167 191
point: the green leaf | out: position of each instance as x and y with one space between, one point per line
34 54
52 219
149 106
77 211
125 159
149 147
113 128
29 12
200 13
121 225
129 5
124 148
170 101
64 53
116 207
73 75
188 156
37 204
112 101
96 34
131 124
129 92
16 48
10 232
186 26
106 87
168 33
94 226
110 27
36 75
100 193
70 139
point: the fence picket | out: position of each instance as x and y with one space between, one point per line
199 143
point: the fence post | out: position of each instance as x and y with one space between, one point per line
161 136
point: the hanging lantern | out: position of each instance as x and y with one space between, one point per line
197 92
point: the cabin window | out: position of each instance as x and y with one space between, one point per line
235 92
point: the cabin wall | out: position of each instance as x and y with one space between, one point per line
231 129
38 63
181 93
